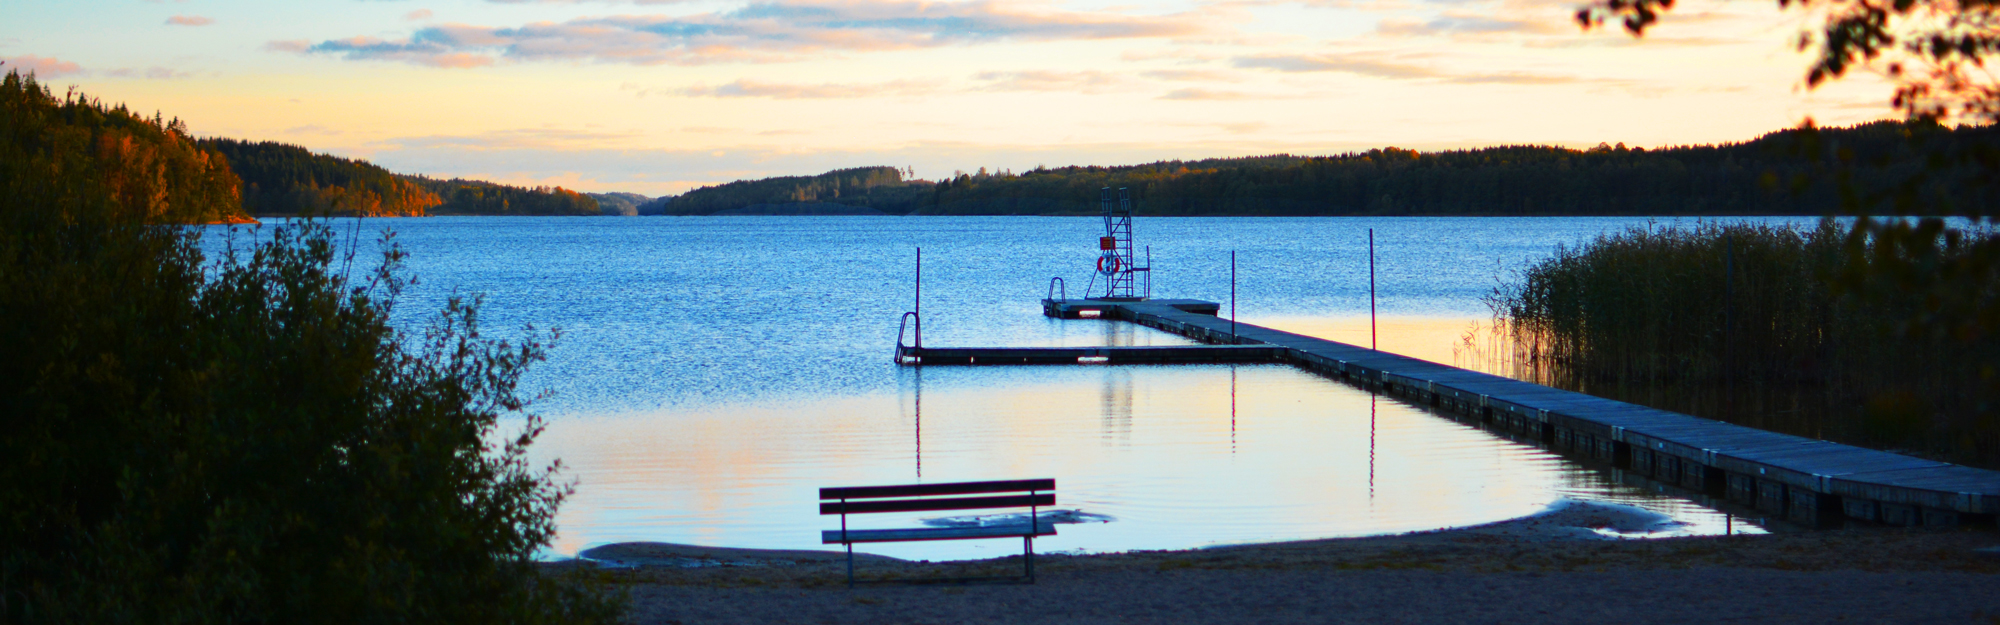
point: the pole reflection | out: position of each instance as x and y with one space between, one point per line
1117 406
1232 410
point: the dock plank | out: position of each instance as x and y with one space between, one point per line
1783 460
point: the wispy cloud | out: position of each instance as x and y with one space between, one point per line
1360 64
1458 24
313 129
42 67
1193 75
1513 78
784 91
1207 94
588 1
418 52
154 73
1185 56
1088 81
419 14
189 20
1371 65
518 138
759 33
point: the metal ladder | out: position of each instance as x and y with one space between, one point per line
1116 258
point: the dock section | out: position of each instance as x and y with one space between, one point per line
1157 355
1808 481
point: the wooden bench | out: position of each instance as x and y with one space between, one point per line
1030 494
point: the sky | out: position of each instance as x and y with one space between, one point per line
660 96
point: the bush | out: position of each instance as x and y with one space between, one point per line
247 440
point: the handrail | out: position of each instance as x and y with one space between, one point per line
903 326
1055 283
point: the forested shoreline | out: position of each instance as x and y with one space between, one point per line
147 169
281 179
880 188
1789 172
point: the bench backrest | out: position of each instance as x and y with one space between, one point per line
925 497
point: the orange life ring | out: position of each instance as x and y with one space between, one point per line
1107 264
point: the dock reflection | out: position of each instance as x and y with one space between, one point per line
1300 457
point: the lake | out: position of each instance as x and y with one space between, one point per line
714 372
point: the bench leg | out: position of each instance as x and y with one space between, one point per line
850 566
1028 547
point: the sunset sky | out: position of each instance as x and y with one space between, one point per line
659 96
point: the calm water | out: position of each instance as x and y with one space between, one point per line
714 372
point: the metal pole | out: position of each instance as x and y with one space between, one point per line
1371 288
1149 272
920 297
1232 297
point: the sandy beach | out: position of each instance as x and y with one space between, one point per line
1556 567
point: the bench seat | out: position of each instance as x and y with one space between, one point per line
830 537
1034 495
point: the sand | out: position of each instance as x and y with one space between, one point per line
1555 568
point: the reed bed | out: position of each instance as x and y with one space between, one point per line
1747 323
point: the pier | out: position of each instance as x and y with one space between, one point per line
1809 482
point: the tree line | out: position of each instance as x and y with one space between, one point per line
478 197
1780 173
149 168
284 179
879 188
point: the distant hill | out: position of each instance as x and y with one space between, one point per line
1780 173
619 204
478 197
880 189
655 206
284 179
1776 174
281 179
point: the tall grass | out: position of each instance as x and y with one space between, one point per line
1748 323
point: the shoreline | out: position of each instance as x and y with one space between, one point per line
1566 520
1554 567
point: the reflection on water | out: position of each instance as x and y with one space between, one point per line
1463 341
1180 456
715 372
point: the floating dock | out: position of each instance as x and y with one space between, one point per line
1807 481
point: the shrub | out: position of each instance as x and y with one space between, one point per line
247 440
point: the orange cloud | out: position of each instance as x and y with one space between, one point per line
42 67
189 20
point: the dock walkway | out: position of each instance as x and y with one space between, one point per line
1809 481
